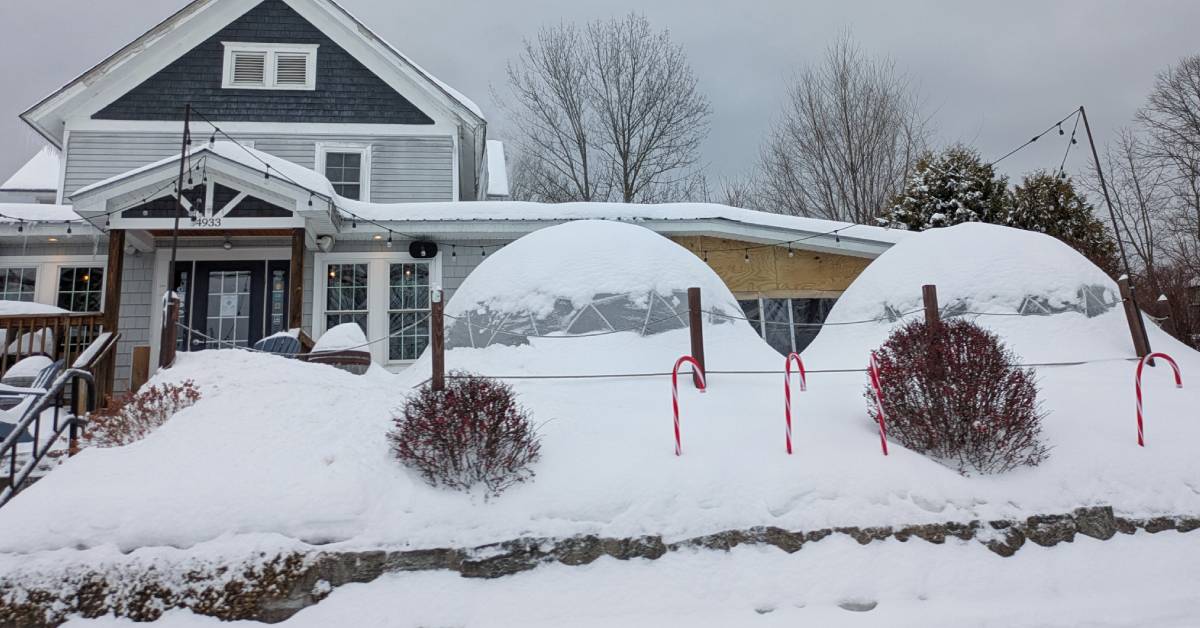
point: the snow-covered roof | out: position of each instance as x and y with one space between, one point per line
237 153
39 174
36 212
497 169
521 211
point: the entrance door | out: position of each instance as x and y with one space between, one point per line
231 304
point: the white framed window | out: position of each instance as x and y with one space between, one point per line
408 310
80 288
346 295
270 66
396 288
348 168
18 283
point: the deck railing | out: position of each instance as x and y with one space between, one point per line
58 336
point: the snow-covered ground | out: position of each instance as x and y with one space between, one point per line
278 447
1144 580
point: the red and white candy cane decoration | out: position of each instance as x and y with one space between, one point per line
699 371
787 392
874 370
1138 387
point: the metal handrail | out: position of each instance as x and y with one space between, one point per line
33 417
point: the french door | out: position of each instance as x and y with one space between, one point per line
231 304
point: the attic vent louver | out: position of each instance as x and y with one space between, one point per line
249 68
291 69
250 65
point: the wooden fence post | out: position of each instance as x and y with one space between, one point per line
933 315
696 324
437 331
170 332
1137 329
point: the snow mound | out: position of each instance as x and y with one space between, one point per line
583 278
344 337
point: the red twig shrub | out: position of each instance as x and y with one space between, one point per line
473 433
132 417
951 393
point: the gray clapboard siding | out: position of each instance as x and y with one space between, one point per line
403 169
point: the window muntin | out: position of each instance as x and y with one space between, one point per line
80 288
344 171
18 284
270 66
787 324
408 310
346 295
228 323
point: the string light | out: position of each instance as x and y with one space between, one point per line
389 240
453 252
747 256
792 252
482 252
68 228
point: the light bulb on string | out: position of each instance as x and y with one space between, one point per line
791 251
453 252
482 252
705 252
389 240
837 237
68 228
747 256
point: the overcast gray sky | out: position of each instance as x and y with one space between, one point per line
992 73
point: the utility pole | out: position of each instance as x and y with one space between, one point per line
1137 324
179 208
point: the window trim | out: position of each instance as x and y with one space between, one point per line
362 149
48 269
37 274
272 51
57 283
378 304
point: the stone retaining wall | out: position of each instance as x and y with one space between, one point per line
271 589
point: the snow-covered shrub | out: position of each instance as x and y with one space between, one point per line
134 416
951 392
471 434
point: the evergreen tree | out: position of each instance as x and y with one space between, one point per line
948 188
1050 204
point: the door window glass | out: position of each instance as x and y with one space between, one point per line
228 321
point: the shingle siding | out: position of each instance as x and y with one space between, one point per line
346 91
403 168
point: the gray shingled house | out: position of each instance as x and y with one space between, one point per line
327 178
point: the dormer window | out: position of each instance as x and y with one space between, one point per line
270 66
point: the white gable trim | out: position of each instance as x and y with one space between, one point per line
200 20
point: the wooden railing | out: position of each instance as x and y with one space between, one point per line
58 336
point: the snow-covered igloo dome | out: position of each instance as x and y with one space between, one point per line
979 267
1046 300
583 278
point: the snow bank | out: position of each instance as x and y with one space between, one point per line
276 446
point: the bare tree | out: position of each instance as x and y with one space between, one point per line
1171 117
609 112
849 135
1140 194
